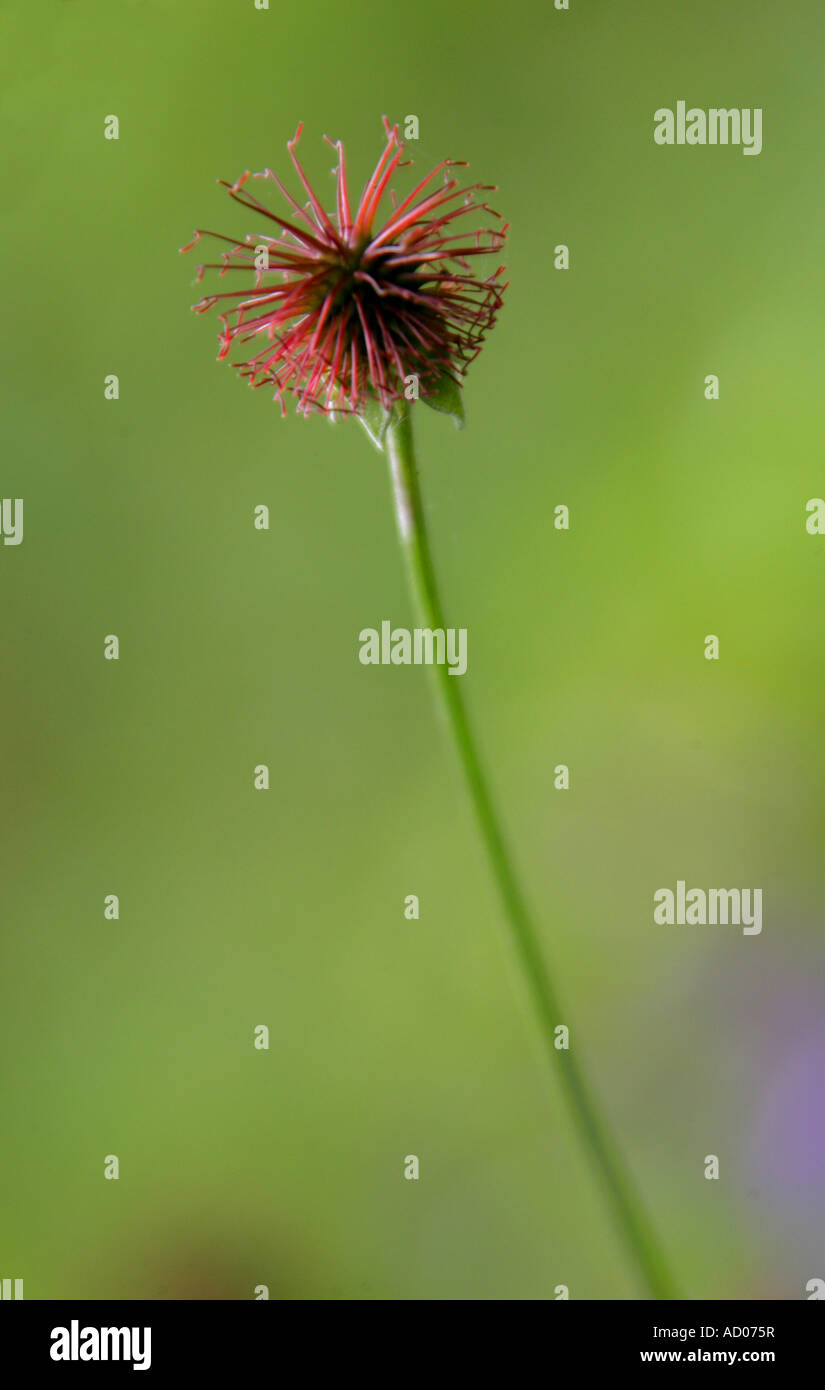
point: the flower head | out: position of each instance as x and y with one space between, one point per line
343 309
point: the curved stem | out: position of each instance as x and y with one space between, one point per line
624 1202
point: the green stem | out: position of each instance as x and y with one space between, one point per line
624 1202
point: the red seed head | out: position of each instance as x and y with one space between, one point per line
342 309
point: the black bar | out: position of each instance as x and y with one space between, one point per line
397 1340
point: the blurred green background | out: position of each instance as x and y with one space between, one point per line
388 1037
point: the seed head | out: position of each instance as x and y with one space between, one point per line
343 309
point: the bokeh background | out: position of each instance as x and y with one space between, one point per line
388 1037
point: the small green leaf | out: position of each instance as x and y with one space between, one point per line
375 420
447 398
